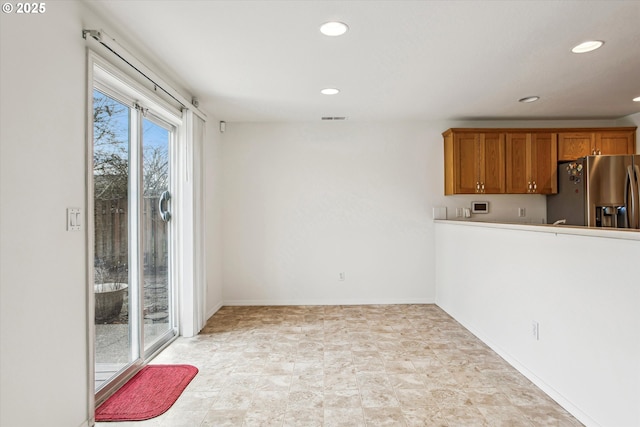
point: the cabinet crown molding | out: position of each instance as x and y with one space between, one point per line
539 130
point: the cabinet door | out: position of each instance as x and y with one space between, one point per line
544 165
492 163
518 163
466 162
572 145
615 142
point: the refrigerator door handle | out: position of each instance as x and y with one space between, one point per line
632 189
636 206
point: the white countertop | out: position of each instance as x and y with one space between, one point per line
610 233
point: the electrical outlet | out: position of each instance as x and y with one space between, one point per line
522 212
458 212
440 212
341 276
535 330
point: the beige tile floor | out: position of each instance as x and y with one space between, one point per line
371 365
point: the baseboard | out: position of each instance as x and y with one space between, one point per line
267 302
515 363
214 310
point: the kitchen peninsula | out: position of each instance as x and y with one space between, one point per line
558 303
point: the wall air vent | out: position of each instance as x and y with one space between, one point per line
333 118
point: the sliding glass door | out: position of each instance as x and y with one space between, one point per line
133 245
157 294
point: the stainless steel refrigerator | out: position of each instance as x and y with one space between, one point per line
597 191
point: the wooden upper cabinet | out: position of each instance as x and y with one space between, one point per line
492 163
466 163
545 163
518 162
474 163
531 163
616 142
522 161
572 145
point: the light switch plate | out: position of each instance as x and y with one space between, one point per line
73 219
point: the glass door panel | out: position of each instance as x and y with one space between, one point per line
111 152
157 298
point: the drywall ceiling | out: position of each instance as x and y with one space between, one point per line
400 60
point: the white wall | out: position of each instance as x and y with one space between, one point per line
304 202
213 215
44 367
582 290
44 343
632 120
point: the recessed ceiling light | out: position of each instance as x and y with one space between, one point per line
333 28
637 99
330 91
587 46
529 99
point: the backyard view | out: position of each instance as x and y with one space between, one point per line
119 220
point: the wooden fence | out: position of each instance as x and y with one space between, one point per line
112 233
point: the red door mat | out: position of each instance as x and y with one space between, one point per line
150 393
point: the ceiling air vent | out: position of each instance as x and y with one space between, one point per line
333 118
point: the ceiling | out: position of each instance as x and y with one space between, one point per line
400 60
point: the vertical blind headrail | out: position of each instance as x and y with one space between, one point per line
122 54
